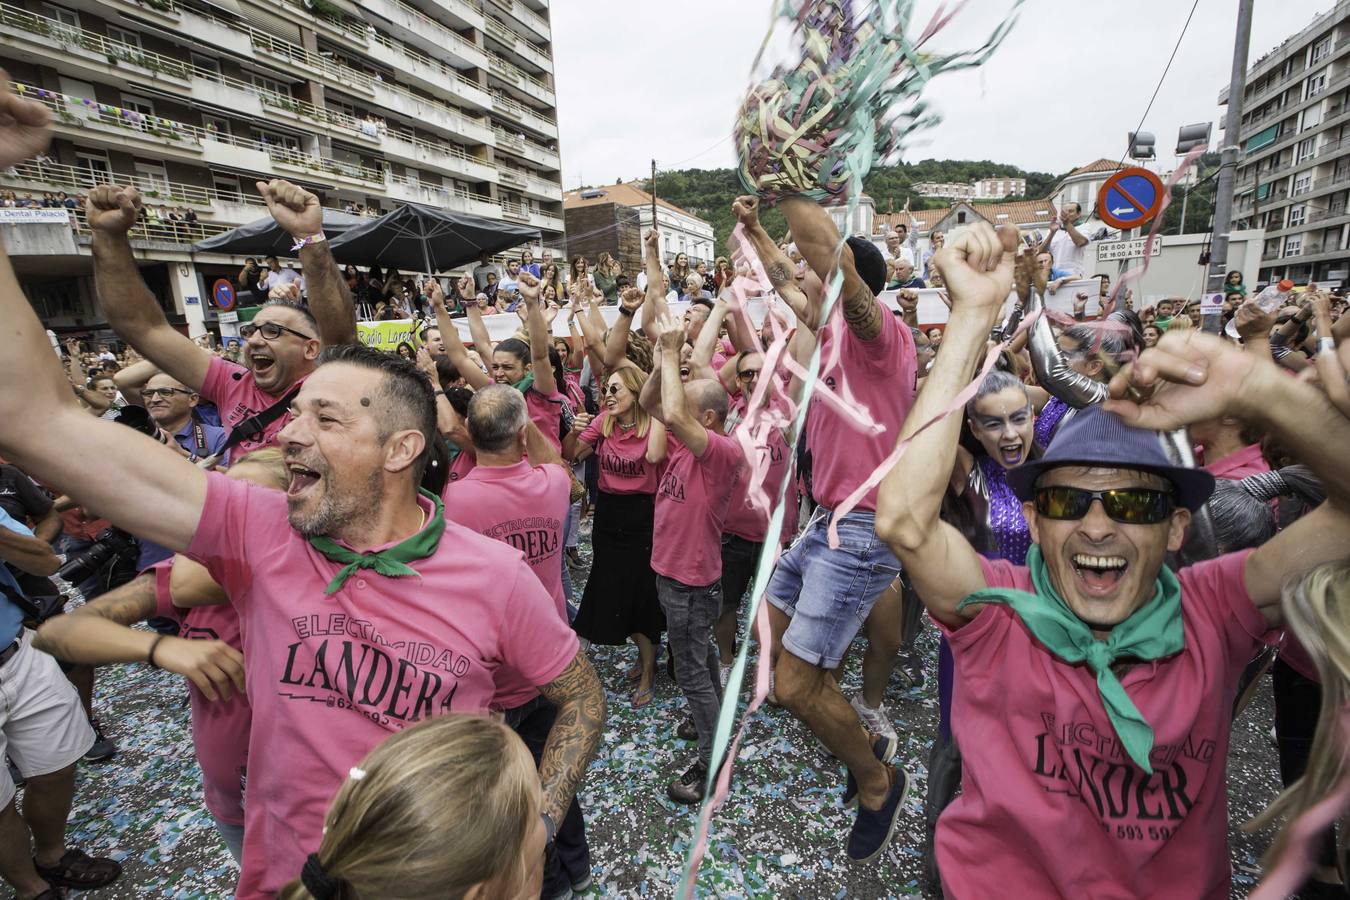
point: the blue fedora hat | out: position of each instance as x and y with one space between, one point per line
1095 437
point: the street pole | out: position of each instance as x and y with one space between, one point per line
654 198
1223 199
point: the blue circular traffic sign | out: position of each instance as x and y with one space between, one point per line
1130 198
223 293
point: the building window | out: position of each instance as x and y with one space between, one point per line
1312 117
123 36
216 125
66 17
95 164
1321 50
270 85
1316 84
1302 184
1293 245
209 63
1305 150
1296 214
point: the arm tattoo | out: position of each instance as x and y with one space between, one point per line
779 274
863 314
126 605
575 734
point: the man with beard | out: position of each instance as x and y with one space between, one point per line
363 610
1094 685
280 344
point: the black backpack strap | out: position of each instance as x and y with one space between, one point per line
254 426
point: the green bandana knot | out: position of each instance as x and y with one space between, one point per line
524 384
1151 632
391 563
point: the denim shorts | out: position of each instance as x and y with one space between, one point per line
829 593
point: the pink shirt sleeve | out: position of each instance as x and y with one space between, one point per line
1217 587
888 350
236 516
536 642
221 387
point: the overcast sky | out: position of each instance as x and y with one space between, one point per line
639 79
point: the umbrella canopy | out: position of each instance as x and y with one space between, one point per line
264 237
421 239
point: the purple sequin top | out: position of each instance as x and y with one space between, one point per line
1048 421
1005 519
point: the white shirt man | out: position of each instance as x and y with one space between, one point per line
1065 242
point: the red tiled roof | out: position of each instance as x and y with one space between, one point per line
622 194
1101 165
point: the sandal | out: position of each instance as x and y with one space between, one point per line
640 698
633 672
79 870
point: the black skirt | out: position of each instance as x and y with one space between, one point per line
620 596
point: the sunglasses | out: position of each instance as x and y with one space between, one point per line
166 393
747 374
612 390
1129 506
271 331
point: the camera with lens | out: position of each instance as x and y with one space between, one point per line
110 544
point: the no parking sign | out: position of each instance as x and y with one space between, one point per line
222 292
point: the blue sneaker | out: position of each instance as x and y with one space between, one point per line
884 746
872 830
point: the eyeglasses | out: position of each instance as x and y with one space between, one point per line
747 374
166 393
271 331
612 390
1129 506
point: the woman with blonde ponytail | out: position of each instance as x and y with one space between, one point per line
446 810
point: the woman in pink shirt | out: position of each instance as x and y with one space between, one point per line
620 598
209 652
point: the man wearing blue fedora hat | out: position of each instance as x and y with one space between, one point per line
1094 685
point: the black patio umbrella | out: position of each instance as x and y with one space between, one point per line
264 237
416 238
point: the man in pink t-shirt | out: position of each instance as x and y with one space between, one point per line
697 484
361 610
819 597
282 341
1094 685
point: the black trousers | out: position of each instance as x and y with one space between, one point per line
570 860
1298 702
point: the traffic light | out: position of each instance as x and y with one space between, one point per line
1191 136
1141 145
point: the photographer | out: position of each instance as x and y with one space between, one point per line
44 732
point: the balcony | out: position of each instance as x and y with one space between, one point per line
535 25
529 54
432 114
521 81
415 27
523 147
429 74
523 115
414 150
401 188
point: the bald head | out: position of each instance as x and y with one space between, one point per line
497 415
706 395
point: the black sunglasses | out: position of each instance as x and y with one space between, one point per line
1129 506
271 331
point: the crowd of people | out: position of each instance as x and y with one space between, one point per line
358 560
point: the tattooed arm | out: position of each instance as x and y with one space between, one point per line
782 273
818 240
575 734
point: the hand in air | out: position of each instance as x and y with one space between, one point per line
294 208
112 209
977 267
25 126
1189 377
631 299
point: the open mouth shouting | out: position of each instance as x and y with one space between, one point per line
1011 453
1098 576
303 479
261 361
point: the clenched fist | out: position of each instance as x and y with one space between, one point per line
294 208
25 126
112 209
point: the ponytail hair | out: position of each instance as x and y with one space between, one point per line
430 813
1242 512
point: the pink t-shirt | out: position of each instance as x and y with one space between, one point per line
232 389
546 414
743 520
330 676
880 374
691 510
220 728
622 458
1236 466
1050 803
460 466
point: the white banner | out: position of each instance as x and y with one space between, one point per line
30 216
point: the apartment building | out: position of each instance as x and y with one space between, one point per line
998 187
1293 178
368 103
681 231
946 190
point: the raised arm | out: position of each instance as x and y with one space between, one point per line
673 410
1193 377
131 379
482 341
781 271
131 309
977 266
573 447
651 265
700 362
454 346
616 345
330 300
818 241
540 338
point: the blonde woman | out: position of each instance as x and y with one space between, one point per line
620 597
445 810
1317 610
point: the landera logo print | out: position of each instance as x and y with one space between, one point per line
535 536
389 688
672 486
622 466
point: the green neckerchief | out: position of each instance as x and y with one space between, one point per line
1162 322
524 384
391 563
1152 632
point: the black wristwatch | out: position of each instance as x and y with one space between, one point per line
550 830
625 311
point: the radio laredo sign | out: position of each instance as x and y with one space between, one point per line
1117 250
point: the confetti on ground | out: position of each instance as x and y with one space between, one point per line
780 834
